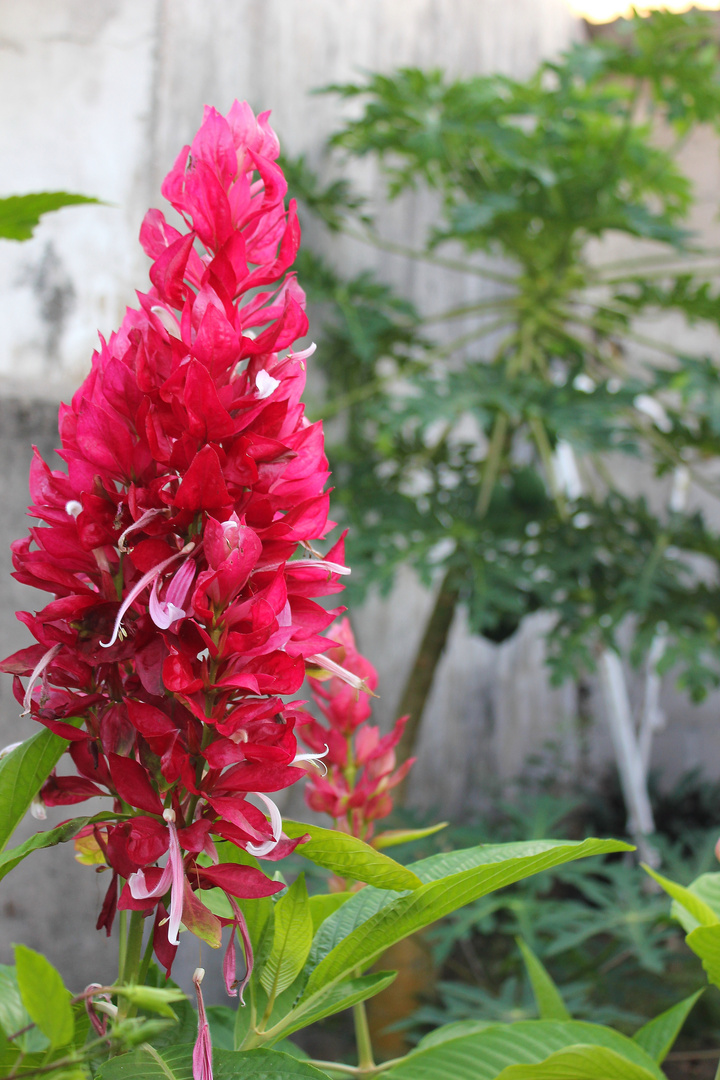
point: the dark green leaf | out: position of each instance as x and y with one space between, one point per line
19 214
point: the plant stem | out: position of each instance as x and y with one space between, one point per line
131 967
122 944
147 957
419 682
423 256
492 463
366 1062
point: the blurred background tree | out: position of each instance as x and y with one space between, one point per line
488 445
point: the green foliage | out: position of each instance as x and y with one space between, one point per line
44 996
175 1063
458 425
22 773
660 1033
292 939
59 835
19 214
547 996
349 857
570 1049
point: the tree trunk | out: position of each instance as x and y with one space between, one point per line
419 683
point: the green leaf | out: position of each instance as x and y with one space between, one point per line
19 214
393 837
579 1063
707 888
334 999
323 905
153 998
705 943
486 1054
702 914
221 1019
658 1035
262 1065
59 835
457 1030
349 857
367 902
547 996
175 1063
147 1063
365 926
44 995
14 1016
23 772
291 941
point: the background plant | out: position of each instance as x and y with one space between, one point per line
485 445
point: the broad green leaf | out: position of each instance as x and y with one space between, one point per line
324 904
23 772
147 1063
457 1030
380 925
175 1063
705 943
262 1065
485 1054
153 998
221 1019
658 1035
19 214
393 837
291 941
349 857
579 1063
547 996
287 1046
367 902
707 888
59 835
334 999
14 1016
44 995
702 914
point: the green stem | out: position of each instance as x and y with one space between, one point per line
366 1062
492 464
422 256
147 957
468 309
131 967
545 450
122 944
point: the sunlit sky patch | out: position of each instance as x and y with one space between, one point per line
601 11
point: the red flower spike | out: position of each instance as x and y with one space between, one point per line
359 765
181 607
